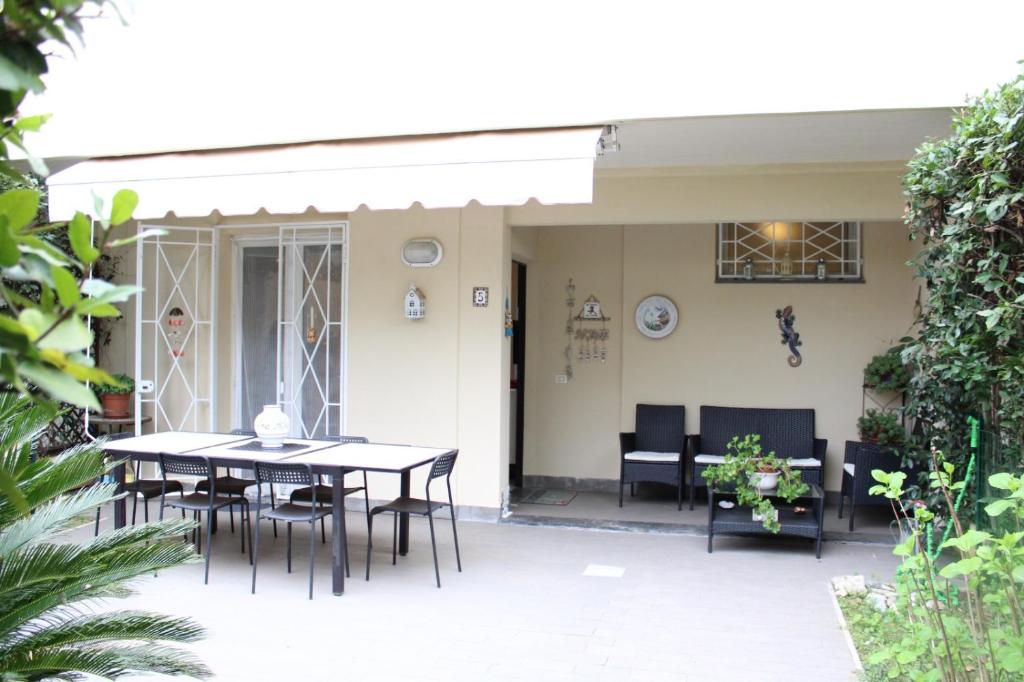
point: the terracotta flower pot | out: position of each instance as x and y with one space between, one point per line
116 405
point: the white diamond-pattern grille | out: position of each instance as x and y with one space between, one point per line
310 330
789 250
175 272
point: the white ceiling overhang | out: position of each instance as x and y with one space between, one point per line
494 169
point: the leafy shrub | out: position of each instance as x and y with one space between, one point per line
882 428
962 612
886 373
965 205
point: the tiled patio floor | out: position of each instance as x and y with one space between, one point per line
755 610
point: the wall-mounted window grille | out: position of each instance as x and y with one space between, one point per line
789 252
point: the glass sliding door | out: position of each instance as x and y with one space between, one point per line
290 340
257 384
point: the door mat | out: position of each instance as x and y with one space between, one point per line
558 498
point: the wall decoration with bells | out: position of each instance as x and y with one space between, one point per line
591 333
176 331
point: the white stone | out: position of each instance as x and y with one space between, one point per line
878 601
849 584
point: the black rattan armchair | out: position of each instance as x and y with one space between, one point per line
198 502
859 459
290 474
656 450
442 466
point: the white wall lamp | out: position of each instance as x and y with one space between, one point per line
422 253
609 140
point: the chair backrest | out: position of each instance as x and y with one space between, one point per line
279 472
243 432
184 465
348 439
442 466
660 428
786 432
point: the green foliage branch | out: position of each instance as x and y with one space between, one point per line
979 636
965 205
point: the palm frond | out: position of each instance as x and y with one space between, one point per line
53 517
87 576
48 478
77 630
107 661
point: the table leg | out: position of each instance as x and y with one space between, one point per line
120 507
403 519
711 516
821 524
337 535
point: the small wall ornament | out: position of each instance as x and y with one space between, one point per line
786 319
656 317
415 304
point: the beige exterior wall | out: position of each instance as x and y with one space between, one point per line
725 351
444 380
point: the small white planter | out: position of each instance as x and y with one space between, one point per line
271 426
760 517
763 481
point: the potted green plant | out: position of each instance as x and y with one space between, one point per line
882 428
886 373
753 473
116 398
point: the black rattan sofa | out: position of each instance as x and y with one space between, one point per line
787 432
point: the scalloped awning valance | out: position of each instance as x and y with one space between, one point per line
441 171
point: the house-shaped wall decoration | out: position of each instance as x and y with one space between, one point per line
415 304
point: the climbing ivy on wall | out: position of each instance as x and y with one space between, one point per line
965 205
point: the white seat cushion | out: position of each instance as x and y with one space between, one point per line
849 468
644 456
808 463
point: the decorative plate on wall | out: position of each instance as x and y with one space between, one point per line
656 317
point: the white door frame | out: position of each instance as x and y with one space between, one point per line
239 242
157 243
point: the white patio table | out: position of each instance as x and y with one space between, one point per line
324 457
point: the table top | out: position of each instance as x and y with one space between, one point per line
177 442
370 456
382 457
814 492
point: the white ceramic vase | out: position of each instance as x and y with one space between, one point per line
271 426
763 481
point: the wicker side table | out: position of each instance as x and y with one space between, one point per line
739 520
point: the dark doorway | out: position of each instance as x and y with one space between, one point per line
518 373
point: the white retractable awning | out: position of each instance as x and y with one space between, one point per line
495 169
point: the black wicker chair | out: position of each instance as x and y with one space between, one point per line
290 474
859 459
322 494
656 450
442 466
787 432
233 485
